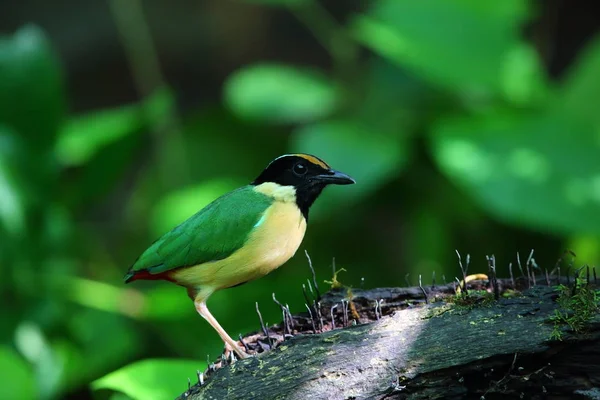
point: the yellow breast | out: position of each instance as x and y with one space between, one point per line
274 240
277 237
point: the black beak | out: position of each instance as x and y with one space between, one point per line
335 177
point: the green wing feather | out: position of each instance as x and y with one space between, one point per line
214 233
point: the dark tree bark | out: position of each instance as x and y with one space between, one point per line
488 349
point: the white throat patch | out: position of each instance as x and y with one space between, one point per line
286 194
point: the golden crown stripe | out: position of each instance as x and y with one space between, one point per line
314 160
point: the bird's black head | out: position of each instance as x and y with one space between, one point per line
306 173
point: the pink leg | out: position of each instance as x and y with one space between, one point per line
232 344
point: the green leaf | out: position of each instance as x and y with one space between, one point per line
524 80
537 171
12 186
582 85
280 93
32 98
102 172
106 154
155 379
33 344
18 382
84 136
459 44
372 158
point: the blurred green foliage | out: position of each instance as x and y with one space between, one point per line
262 92
82 195
149 379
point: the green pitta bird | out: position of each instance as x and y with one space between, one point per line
242 235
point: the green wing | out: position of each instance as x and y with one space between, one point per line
213 233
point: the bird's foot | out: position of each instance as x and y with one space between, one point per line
234 353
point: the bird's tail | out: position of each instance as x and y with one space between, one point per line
129 276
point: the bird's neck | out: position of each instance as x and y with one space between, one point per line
304 198
277 192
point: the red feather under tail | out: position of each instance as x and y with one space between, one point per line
144 274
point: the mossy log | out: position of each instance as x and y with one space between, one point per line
405 349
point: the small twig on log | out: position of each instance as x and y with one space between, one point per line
464 270
319 315
333 307
262 325
378 311
345 310
521 268
534 266
286 318
492 268
244 343
312 319
527 269
510 271
314 275
306 298
291 317
423 290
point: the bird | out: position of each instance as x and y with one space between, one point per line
241 236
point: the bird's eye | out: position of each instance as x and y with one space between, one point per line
300 169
